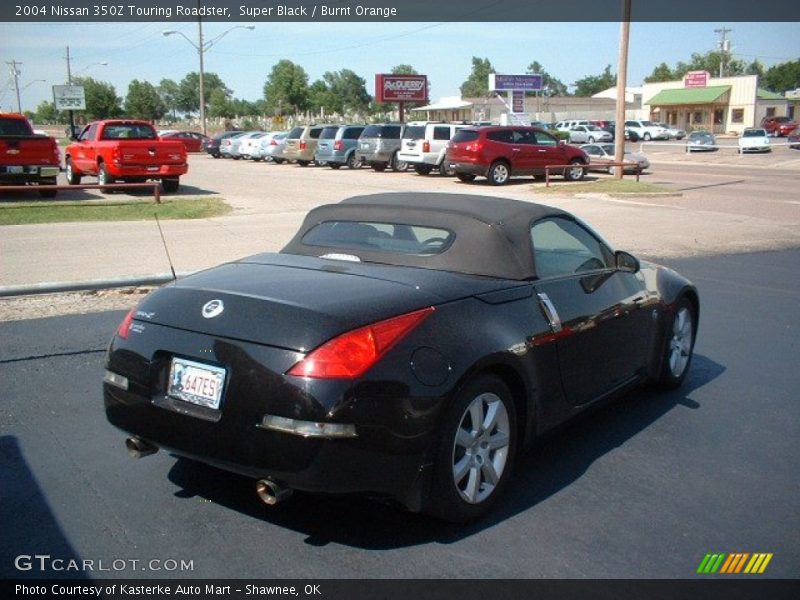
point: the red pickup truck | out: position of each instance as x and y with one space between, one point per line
26 158
127 151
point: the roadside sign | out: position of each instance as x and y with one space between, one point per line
69 97
401 88
517 102
511 83
696 79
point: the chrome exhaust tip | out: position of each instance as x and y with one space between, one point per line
138 448
271 493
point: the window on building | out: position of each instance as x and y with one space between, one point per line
771 111
719 116
698 117
737 115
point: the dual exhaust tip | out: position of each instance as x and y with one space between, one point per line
269 492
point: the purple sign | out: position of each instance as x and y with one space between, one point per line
519 83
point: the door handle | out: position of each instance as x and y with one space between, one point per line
550 312
541 150
515 149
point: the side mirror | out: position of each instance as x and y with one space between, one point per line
626 262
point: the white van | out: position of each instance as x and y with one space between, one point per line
424 146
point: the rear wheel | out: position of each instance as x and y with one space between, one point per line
591 140
73 178
48 193
499 173
465 177
103 178
170 185
397 164
353 162
680 346
422 169
444 170
576 172
646 137
476 451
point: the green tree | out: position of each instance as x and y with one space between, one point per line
219 105
347 92
710 62
755 68
245 108
286 88
477 84
46 113
661 73
783 77
170 92
555 86
189 90
143 101
593 84
101 99
319 97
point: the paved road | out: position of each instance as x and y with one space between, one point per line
723 210
644 488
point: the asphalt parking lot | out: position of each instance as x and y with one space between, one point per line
644 488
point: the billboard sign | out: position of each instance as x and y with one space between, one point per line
517 102
515 83
694 79
69 97
401 88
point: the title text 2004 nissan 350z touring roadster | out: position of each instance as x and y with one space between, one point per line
403 345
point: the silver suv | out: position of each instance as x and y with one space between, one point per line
423 146
379 144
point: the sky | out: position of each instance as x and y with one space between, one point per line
443 51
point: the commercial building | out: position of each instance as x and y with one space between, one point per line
717 104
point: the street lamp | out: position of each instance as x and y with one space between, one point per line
202 47
97 64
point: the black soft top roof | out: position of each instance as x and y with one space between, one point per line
492 235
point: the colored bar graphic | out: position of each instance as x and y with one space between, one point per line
729 564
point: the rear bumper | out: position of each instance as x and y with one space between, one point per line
159 171
467 167
27 173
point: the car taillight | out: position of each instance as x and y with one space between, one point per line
474 147
426 146
273 142
302 145
338 145
125 327
116 156
351 354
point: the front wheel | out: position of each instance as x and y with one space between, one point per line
499 173
591 140
465 177
646 137
73 178
476 451
680 346
576 172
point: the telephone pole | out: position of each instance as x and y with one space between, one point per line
15 73
724 45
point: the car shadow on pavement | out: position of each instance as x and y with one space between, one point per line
29 525
552 465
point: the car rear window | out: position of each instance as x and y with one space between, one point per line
398 238
328 133
414 132
352 133
441 133
129 131
465 135
295 133
315 132
14 127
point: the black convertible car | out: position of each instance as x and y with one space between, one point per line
402 345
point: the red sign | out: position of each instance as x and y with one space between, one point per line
401 88
696 79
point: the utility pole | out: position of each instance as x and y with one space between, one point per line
724 45
622 82
69 82
15 73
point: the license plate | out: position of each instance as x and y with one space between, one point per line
364 146
197 383
14 170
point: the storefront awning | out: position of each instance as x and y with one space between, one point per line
706 95
457 105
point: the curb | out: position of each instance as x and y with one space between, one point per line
56 287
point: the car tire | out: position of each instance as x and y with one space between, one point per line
576 171
423 169
499 173
215 155
465 177
444 170
170 185
48 193
475 453
591 140
397 164
679 345
73 178
277 161
646 137
103 178
379 167
353 162
303 163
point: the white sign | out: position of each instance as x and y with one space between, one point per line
69 97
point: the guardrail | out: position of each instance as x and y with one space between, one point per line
88 186
636 167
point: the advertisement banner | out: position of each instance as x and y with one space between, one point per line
401 88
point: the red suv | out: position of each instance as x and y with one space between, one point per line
499 153
778 126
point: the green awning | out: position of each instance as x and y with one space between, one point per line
767 95
704 95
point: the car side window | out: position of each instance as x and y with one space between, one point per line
523 136
545 139
501 135
563 247
441 133
88 133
